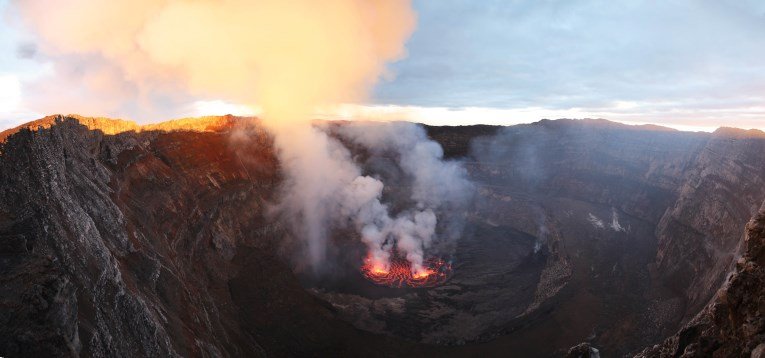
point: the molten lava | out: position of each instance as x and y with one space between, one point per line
399 273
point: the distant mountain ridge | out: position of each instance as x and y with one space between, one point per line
218 123
115 126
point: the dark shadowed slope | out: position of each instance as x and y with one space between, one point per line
648 221
732 325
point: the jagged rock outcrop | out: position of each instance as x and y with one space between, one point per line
583 350
115 126
733 324
118 245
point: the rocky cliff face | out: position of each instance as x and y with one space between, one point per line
116 126
122 240
122 244
732 325
700 234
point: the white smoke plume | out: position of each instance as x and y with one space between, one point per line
287 57
437 186
339 192
436 182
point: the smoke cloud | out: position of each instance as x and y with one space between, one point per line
435 186
340 192
285 56
288 58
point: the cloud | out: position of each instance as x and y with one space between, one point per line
10 91
664 57
689 64
11 112
142 57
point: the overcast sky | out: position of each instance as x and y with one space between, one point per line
687 64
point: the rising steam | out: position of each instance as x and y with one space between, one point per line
436 186
285 56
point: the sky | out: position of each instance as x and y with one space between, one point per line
691 65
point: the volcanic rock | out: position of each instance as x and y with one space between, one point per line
732 324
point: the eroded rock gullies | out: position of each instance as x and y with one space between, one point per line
732 325
122 245
700 233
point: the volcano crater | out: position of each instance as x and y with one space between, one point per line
493 275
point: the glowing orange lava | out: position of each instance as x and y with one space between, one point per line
399 273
